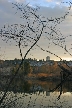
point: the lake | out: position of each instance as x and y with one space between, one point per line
37 94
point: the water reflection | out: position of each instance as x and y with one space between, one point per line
35 94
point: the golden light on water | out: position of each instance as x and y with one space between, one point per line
67 94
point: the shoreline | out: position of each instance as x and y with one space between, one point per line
42 78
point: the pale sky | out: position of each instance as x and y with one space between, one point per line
48 9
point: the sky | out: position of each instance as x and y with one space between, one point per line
48 9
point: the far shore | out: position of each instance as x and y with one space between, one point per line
34 77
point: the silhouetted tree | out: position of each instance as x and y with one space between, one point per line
28 34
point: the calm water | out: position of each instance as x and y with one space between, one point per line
35 94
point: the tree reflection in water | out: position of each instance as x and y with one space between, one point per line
35 94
